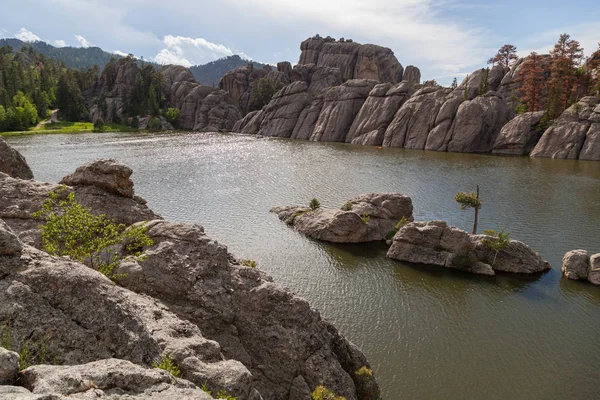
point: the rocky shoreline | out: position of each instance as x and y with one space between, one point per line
227 326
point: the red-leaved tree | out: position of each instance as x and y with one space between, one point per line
531 75
505 56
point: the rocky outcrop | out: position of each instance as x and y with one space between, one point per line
341 105
575 134
9 365
163 124
13 163
110 378
216 113
377 113
437 243
367 218
412 75
279 117
520 135
100 185
178 82
190 104
317 78
107 174
226 326
355 61
578 265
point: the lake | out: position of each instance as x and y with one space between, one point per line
430 333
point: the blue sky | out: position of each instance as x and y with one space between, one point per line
444 38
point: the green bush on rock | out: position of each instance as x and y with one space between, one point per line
322 393
72 230
314 204
166 363
498 241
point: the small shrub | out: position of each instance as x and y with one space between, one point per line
154 124
322 393
521 108
314 204
72 230
249 263
366 218
347 206
166 363
498 241
205 389
223 395
364 372
173 115
98 125
401 223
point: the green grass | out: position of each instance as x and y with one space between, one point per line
70 127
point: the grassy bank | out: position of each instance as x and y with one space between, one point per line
70 127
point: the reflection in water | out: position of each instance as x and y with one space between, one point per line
430 333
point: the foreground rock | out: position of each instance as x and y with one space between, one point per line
578 265
437 243
110 378
225 325
367 218
13 163
9 367
103 185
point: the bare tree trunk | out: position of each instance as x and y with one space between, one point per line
476 214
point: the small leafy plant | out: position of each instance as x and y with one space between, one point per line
322 393
470 200
347 206
249 263
72 230
403 221
364 372
498 241
366 218
314 204
166 363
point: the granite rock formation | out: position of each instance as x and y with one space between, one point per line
13 163
437 243
579 265
366 218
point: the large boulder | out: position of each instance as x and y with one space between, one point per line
578 265
575 134
216 113
377 113
477 124
108 174
13 163
9 366
281 114
437 243
110 378
412 75
190 104
520 135
353 60
274 333
366 218
342 104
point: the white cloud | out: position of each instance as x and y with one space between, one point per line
419 31
120 53
188 51
82 41
27 36
60 43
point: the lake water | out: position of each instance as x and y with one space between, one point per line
429 333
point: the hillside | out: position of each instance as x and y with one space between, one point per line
212 72
73 57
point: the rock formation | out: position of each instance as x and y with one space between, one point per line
226 326
578 264
575 134
355 61
366 218
436 243
13 163
520 135
203 108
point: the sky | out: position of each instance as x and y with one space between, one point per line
444 38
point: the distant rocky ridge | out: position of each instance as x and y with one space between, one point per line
227 326
342 91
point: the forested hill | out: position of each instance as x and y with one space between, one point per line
73 57
211 73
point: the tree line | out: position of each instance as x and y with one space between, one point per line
553 82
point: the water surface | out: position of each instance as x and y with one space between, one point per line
430 333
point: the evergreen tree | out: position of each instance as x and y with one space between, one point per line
505 56
532 82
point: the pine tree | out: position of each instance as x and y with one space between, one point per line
531 75
505 56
